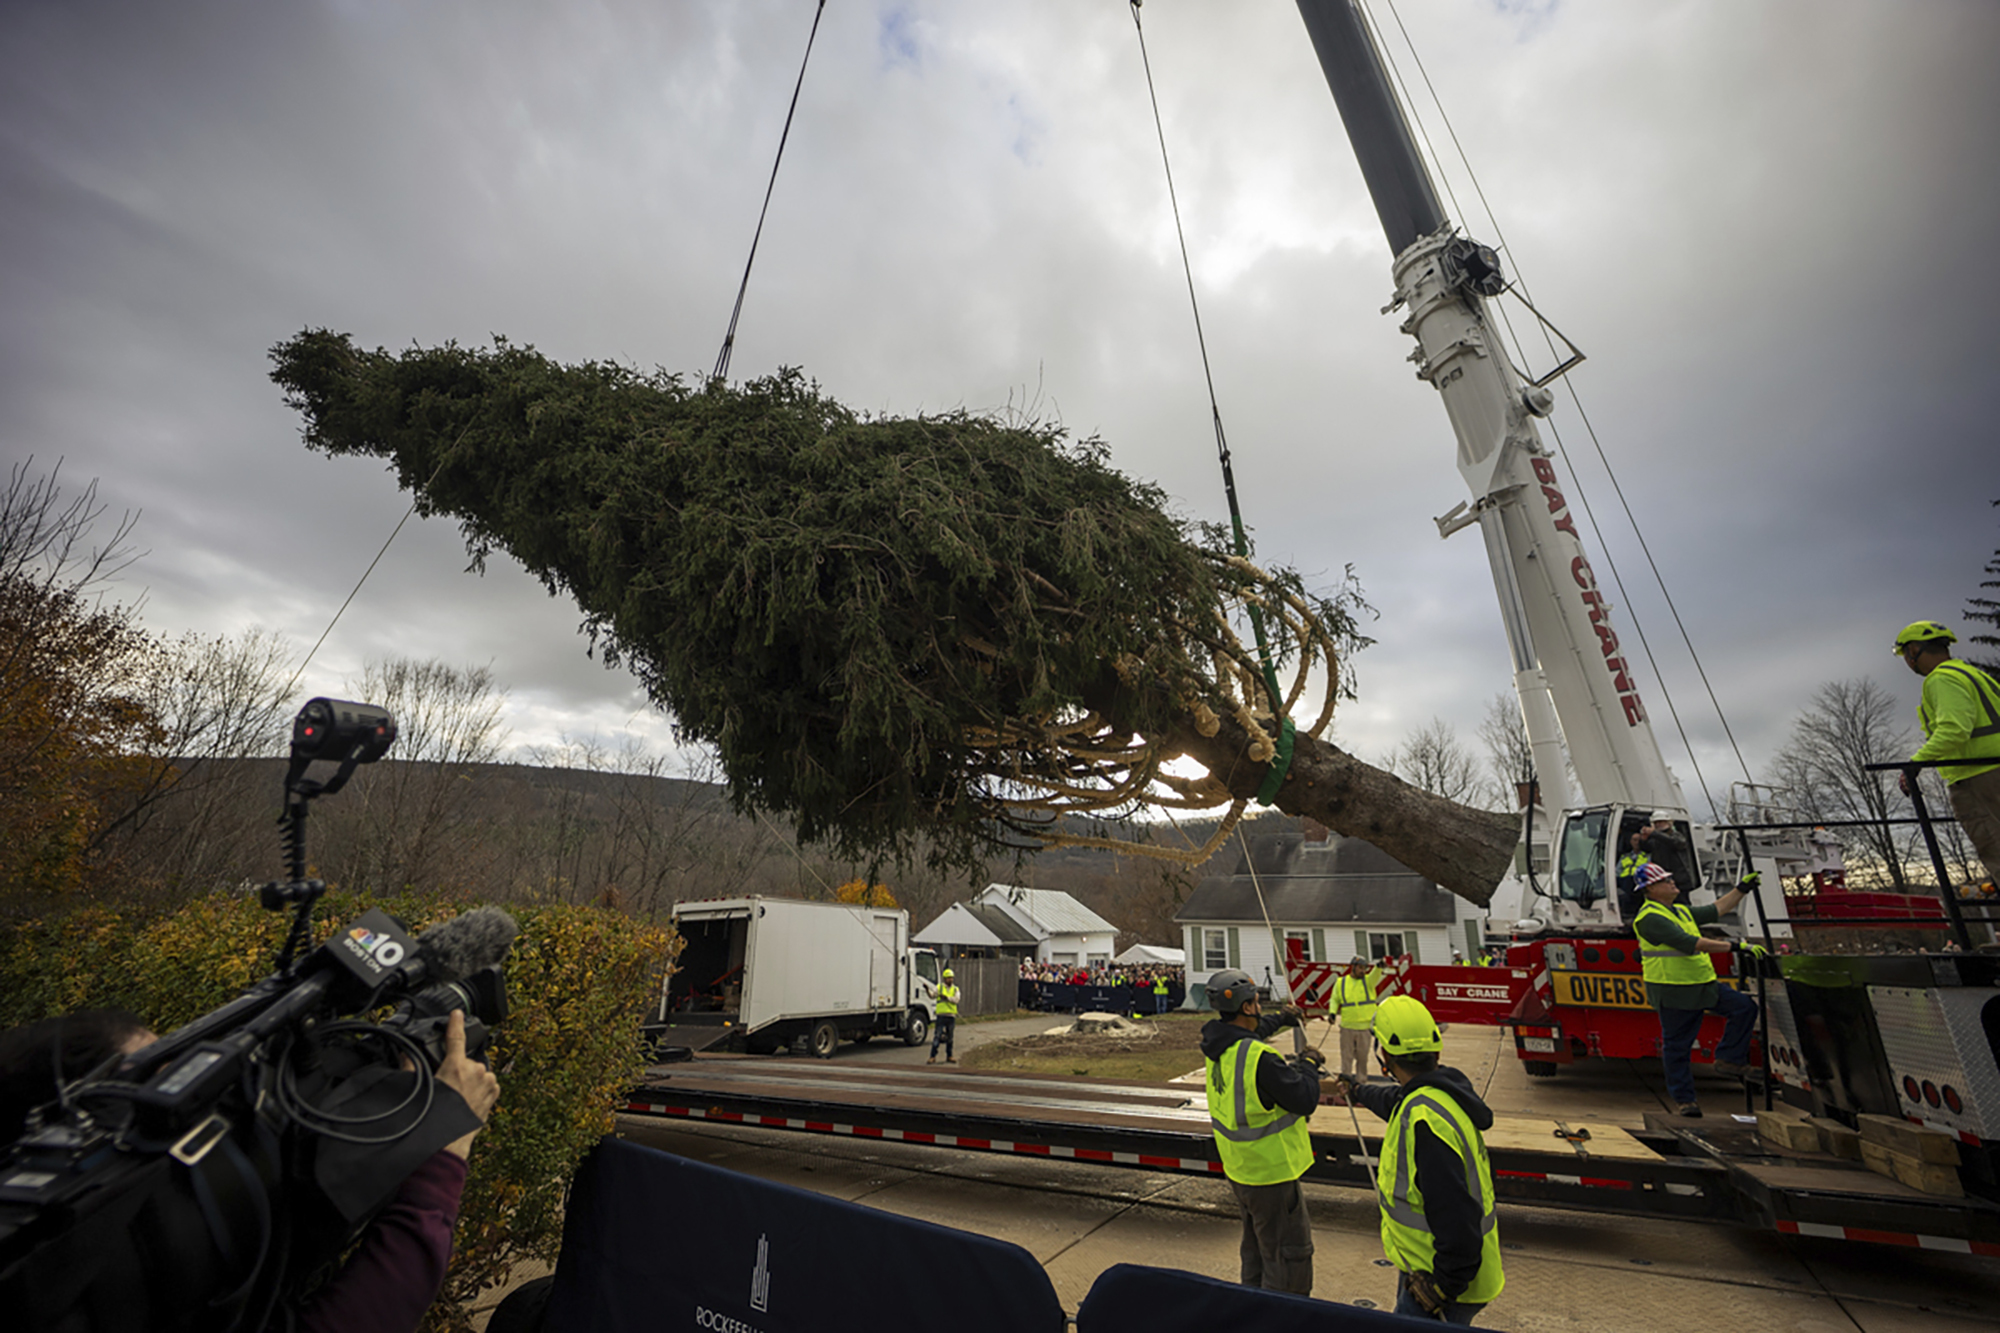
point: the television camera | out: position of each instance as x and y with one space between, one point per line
209 1178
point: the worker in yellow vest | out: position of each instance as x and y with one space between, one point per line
1259 1105
1353 1003
1433 1183
946 1030
1159 992
1960 712
1681 982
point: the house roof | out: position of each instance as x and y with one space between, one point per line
955 925
1334 881
1051 909
1005 927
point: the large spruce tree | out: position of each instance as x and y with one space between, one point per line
882 625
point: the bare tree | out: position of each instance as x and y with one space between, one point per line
1848 725
1508 756
408 822
1432 758
193 819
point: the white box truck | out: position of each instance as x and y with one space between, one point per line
764 973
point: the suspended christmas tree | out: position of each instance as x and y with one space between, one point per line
940 632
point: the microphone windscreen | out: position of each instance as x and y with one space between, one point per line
457 948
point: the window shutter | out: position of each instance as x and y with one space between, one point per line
1319 945
1235 958
1361 944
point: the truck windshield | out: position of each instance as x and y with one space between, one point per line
1580 872
927 967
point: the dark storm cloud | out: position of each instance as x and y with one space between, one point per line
1765 224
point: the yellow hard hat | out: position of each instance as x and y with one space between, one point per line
1922 631
947 971
1404 1027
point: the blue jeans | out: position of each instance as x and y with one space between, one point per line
1455 1312
945 1031
1678 1028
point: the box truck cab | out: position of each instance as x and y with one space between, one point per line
760 974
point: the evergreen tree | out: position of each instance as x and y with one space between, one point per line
1986 610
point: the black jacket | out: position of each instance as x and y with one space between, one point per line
1280 1083
1450 1208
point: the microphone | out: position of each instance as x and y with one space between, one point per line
469 942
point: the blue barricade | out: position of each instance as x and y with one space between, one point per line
1161 1300
1061 997
655 1241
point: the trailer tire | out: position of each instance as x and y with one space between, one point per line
824 1039
1539 1068
916 1028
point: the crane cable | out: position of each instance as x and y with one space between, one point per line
729 338
1631 518
1281 762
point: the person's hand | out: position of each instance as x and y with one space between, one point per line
1425 1289
470 1079
1310 1061
1335 1091
1749 883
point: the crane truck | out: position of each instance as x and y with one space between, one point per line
1913 1035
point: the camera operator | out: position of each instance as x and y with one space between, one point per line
396 1272
393 1277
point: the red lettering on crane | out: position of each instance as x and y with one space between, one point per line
1545 471
1621 676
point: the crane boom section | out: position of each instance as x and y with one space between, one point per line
1567 653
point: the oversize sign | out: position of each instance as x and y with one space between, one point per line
1605 990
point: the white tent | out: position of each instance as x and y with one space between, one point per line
1152 954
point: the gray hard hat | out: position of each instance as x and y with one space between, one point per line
1230 989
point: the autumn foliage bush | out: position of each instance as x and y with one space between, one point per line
578 981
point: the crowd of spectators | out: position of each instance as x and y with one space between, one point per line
1140 976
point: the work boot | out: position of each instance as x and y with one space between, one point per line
951 1059
933 1059
1689 1109
1741 1073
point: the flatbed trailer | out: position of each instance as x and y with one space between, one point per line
1717 1170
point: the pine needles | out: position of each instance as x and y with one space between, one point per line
925 634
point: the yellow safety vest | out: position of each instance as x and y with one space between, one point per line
1259 1144
1670 967
1159 985
1354 1000
1981 721
1406 1232
947 1000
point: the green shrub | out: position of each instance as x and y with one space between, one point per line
578 981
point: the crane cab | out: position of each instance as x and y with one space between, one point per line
1589 892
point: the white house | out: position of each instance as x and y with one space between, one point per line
1006 919
1328 898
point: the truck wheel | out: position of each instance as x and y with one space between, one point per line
825 1039
1539 1068
916 1028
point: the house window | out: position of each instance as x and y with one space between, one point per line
1214 950
1381 945
1299 946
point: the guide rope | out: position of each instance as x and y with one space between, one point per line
1274 777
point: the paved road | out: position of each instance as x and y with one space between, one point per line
1567 1272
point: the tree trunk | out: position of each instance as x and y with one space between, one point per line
1464 850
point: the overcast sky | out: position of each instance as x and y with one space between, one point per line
1771 226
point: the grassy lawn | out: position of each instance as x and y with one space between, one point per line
1163 1050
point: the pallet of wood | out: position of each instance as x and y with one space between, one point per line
1922 1158
1787 1128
